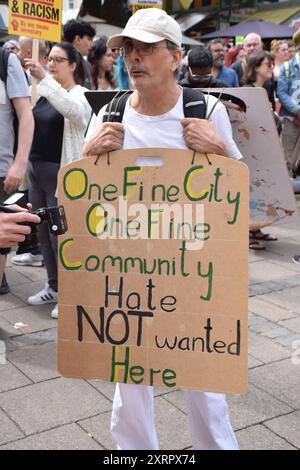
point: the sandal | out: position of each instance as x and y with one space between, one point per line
255 245
259 235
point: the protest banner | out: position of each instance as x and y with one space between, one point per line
39 19
153 270
138 4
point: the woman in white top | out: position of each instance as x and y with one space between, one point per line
102 60
61 116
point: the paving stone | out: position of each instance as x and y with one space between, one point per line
99 428
10 301
258 289
169 420
52 403
263 270
35 318
290 342
106 388
292 324
32 273
276 332
281 379
254 407
37 362
287 298
14 277
253 362
287 426
268 310
178 399
259 438
69 437
23 291
261 325
8 430
265 350
11 377
38 337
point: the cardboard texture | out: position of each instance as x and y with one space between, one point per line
271 196
153 288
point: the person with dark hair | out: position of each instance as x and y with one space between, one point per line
61 116
102 61
259 68
80 34
219 71
198 73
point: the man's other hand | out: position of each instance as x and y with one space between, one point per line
200 135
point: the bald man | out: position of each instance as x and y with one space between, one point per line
25 51
252 44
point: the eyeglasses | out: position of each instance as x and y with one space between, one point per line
268 64
143 49
57 60
201 77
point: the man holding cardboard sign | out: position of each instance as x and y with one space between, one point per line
154 117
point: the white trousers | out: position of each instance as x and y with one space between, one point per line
133 428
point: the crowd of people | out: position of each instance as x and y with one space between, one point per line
147 58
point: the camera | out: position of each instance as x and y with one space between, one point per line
54 216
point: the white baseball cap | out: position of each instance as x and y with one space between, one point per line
149 25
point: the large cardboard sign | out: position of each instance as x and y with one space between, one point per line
37 19
271 197
153 271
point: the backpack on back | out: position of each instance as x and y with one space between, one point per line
194 105
4 55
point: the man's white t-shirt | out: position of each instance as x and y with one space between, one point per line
165 130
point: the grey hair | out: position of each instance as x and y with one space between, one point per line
173 47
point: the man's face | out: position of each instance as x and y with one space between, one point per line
24 52
199 76
252 45
218 53
149 65
83 45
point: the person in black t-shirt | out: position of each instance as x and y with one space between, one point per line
198 73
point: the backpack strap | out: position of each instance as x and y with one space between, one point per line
194 103
4 55
114 111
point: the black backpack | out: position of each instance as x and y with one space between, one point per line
194 105
4 55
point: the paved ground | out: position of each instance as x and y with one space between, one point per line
40 410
